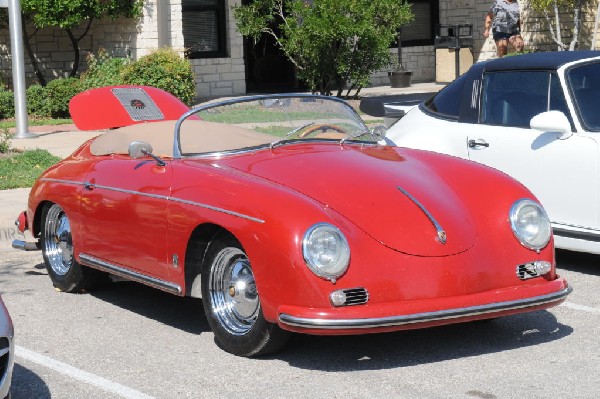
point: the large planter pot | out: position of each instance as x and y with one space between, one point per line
400 78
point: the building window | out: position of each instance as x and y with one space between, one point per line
422 30
204 28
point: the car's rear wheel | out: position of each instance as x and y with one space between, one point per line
232 303
57 248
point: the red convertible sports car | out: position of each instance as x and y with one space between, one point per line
283 213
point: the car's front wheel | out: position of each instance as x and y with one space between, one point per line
57 248
232 303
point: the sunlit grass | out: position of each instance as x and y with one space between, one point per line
21 169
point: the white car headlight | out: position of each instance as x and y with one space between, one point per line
530 224
326 251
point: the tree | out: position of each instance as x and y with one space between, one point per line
553 10
333 43
75 17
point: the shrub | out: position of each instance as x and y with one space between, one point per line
4 141
166 70
37 103
7 103
103 70
58 93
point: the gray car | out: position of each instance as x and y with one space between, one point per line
7 351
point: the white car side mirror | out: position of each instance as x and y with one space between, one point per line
552 121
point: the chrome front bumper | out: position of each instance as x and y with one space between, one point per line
427 317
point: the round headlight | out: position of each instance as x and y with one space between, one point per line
326 251
530 224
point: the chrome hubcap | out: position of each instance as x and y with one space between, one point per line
234 297
58 244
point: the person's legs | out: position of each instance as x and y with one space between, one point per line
517 42
501 40
501 47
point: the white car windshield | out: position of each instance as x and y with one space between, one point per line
584 81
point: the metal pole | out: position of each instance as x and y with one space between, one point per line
18 67
595 28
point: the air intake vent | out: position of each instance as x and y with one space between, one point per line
349 296
356 296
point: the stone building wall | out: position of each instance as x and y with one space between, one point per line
217 77
161 25
534 28
419 60
134 38
53 50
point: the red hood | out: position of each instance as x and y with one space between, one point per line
362 184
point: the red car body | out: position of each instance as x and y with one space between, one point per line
135 218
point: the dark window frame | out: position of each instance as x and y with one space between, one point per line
548 94
219 8
434 17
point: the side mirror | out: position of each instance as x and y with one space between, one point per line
139 149
376 107
552 121
379 131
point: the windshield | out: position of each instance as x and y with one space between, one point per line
268 121
584 82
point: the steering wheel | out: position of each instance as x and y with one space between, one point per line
322 127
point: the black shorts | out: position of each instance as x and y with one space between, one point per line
502 36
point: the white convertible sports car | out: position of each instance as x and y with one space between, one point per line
535 117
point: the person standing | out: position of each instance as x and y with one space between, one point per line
504 19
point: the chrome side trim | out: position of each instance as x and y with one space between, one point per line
91 261
339 324
71 182
157 196
441 234
132 192
568 231
212 208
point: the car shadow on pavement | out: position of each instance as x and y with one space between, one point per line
26 385
424 346
185 314
578 262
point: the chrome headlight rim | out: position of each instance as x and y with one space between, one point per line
515 209
343 255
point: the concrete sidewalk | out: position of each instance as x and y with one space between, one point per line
62 140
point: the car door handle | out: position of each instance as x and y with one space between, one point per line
89 186
478 143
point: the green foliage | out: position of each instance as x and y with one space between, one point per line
4 141
37 103
69 14
7 103
21 170
58 94
103 70
166 70
75 17
556 12
333 43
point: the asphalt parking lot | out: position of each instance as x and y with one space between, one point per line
129 341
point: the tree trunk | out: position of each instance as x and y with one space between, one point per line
559 41
36 68
576 25
75 44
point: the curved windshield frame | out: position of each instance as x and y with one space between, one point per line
255 122
584 85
